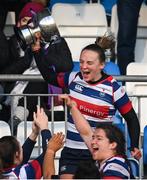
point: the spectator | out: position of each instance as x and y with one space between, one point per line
98 96
21 62
106 143
43 2
10 5
4 59
15 158
4 49
16 6
128 13
26 65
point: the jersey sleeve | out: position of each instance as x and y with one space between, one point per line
57 59
121 99
27 149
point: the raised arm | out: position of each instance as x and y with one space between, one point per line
81 123
41 120
53 60
29 143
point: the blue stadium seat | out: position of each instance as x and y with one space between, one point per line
111 68
108 5
118 118
145 146
134 167
76 67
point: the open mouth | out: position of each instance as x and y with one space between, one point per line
85 74
95 149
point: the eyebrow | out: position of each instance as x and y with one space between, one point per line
97 136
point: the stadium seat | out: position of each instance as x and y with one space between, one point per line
76 67
23 131
114 21
108 5
80 24
4 129
134 167
138 88
111 68
10 22
52 2
145 146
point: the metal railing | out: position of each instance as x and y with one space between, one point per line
34 78
37 78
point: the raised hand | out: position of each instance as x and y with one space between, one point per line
40 118
69 102
56 142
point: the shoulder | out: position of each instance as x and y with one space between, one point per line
30 170
116 166
74 75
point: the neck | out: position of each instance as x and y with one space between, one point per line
106 159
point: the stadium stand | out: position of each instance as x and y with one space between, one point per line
79 25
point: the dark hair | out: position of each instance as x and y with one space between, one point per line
8 147
87 169
97 49
114 134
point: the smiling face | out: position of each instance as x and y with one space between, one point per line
102 149
90 65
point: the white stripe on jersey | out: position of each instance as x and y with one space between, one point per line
75 144
71 77
116 167
89 99
10 175
119 93
71 127
22 174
